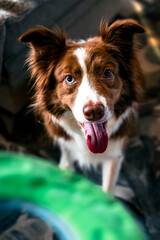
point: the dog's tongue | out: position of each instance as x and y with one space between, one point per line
97 138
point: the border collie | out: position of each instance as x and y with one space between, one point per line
87 93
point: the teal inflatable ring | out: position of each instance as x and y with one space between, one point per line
87 212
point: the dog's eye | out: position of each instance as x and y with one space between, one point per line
69 79
108 74
108 78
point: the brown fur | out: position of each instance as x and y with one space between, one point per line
51 59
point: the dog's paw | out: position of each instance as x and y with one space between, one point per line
65 165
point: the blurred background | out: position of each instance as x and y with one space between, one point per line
21 131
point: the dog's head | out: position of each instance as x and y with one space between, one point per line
93 79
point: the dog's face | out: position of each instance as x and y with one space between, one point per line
89 84
91 78
88 81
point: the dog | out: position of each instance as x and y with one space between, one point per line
88 93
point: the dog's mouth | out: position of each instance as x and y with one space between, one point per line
96 136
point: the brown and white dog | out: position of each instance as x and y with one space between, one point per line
87 93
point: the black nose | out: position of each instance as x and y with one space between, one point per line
93 112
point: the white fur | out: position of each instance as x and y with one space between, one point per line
73 128
65 159
112 166
124 192
86 93
81 55
77 149
114 124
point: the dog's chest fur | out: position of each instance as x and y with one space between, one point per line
77 148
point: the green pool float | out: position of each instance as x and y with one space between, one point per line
82 210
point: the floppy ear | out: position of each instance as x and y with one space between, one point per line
47 48
42 39
120 33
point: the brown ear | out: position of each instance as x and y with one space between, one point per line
47 47
43 38
120 33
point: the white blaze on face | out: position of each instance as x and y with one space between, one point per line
81 56
86 93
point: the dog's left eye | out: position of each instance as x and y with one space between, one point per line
108 74
69 79
108 78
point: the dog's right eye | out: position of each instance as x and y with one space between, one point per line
69 79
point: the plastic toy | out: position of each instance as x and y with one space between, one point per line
76 208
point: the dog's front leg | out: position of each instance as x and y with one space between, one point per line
65 162
110 172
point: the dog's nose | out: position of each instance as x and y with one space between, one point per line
93 112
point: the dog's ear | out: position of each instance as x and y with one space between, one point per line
120 33
42 39
47 48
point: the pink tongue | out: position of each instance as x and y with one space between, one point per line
97 138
